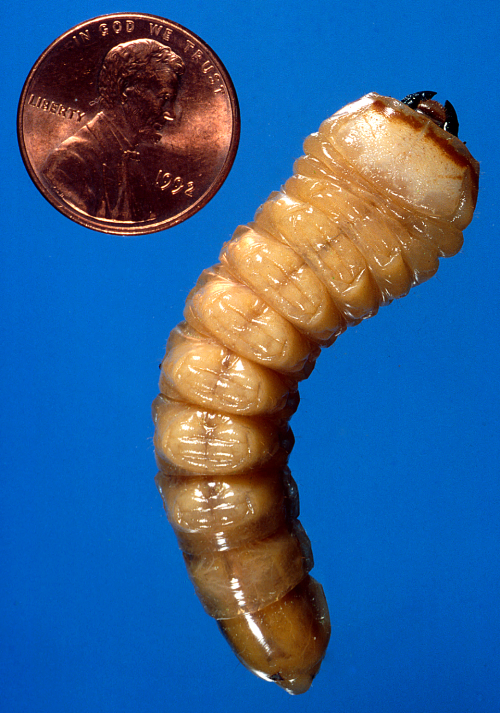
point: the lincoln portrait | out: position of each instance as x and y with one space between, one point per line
99 170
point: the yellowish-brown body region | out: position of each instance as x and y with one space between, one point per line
380 195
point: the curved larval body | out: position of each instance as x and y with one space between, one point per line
380 195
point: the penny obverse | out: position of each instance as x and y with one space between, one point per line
128 123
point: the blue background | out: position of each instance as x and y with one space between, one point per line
397 444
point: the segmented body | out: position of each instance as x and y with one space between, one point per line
380 195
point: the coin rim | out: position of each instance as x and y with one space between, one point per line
101 224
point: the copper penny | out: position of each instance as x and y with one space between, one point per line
128 123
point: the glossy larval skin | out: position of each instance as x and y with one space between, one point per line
380 195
